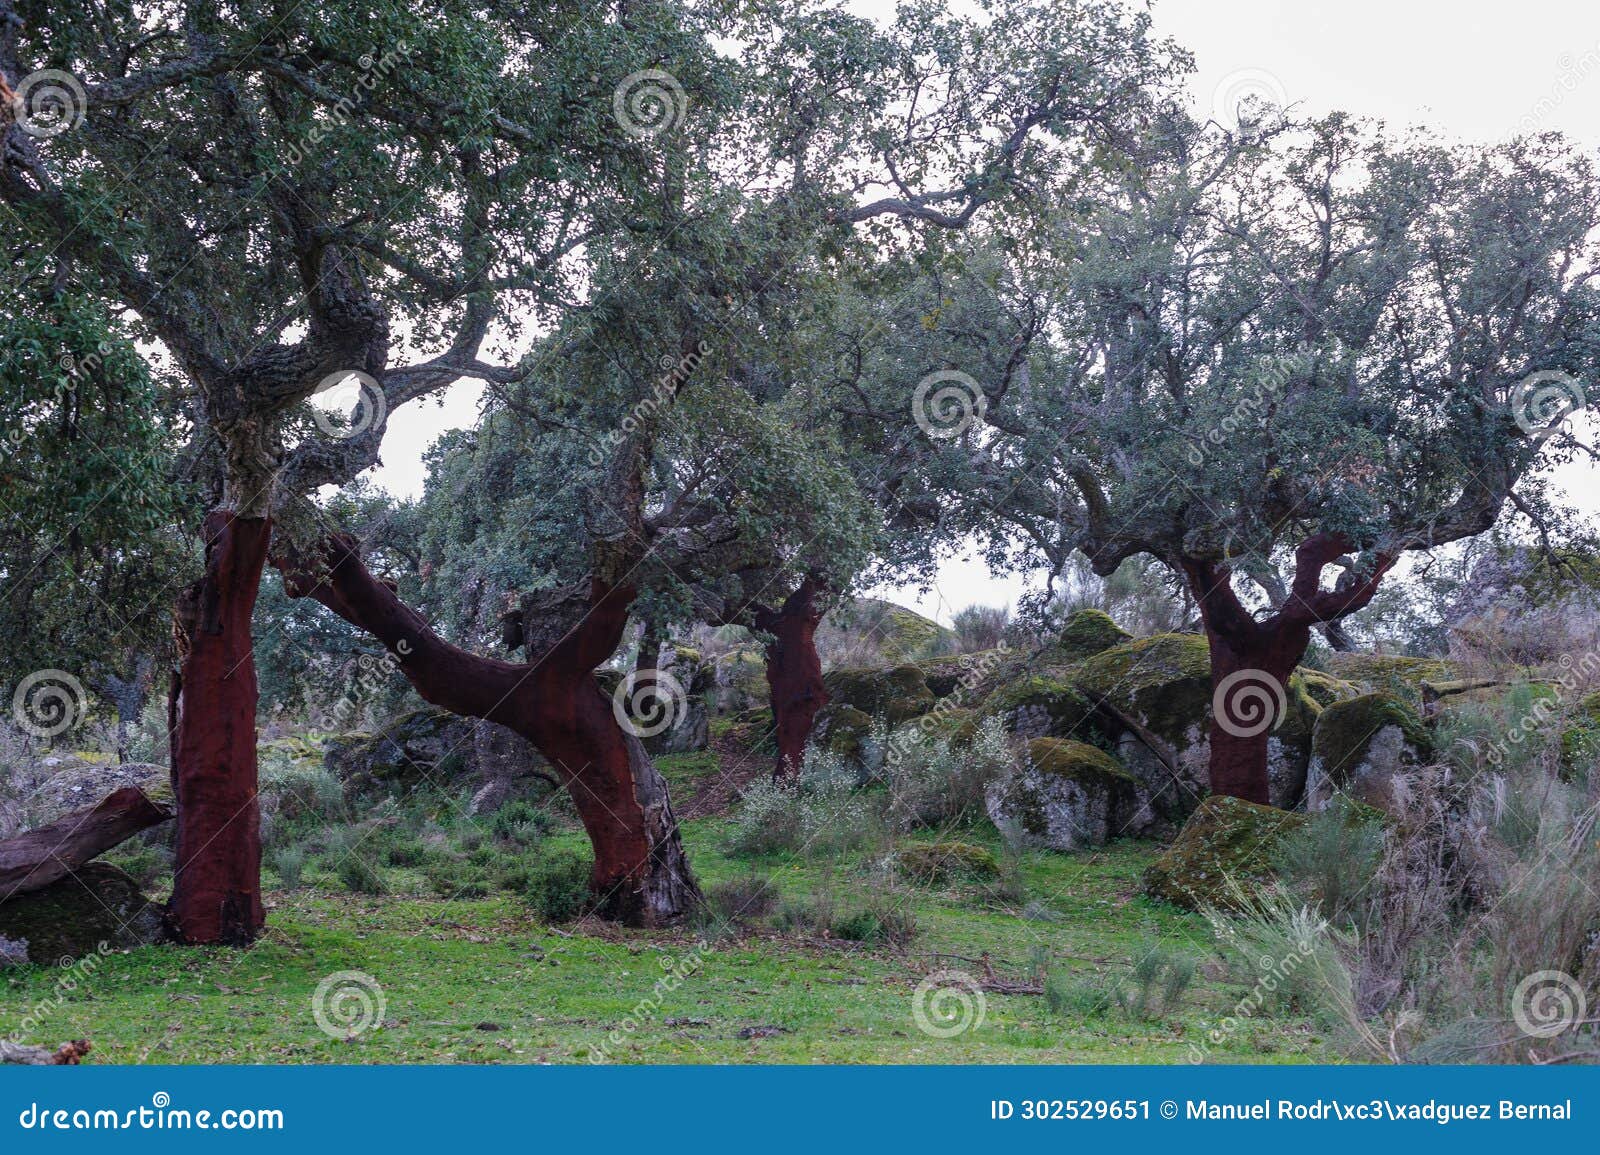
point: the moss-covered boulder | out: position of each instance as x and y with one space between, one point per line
850 735
1395 674
1226 844
1360 745
1037 706
72 785
1069 795
97 908
1090 632
896 695
434 748
1161 687
936 863
1325 689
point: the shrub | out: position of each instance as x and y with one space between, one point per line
519 822
1071 995
935 781
454 878
288 863
741 900
882 921
358 874
822 812
557 885
1332 858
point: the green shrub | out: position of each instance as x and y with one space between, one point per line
1071 995
358 874
454 878
520 822
739 901
882 921
557 885
1332 859
288 863
820 813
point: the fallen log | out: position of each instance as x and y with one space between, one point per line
66 1055
34 859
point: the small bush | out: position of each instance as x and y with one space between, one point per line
1160 976
821 813
934 781
557 885
741 900
881 921
454 878
359 875
1084 998
520 822
406 850
1332 858
288 863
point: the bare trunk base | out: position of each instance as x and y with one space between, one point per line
216 894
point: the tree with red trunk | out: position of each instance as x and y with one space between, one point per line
298 207
1265 355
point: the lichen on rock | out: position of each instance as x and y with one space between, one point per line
1068 795
1224 851
935 863
896 695
1358 747
72 918
1089 632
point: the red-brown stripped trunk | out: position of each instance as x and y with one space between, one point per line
216 890
641 876
1252 661
794 674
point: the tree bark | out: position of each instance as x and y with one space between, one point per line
216 893
641 876
1252 660
794 674
36 858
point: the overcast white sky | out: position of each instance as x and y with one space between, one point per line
1472 69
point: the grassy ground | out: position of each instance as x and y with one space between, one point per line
487 981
